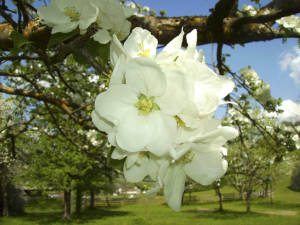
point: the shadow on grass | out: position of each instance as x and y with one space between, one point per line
44 204
224 215
49 218
277 205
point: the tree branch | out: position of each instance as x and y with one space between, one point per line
63 104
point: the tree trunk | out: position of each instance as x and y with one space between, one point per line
218 191
182 197
248 202
266 194
67 204
78 200
92 199
3 197
271 193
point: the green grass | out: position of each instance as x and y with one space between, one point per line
48 212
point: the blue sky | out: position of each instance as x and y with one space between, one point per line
264 57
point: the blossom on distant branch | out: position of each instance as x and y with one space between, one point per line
290 22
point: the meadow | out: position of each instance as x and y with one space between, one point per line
284 211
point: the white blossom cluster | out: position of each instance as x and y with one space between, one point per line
284 131
290 22
67 15
247 10
158 113
91 135
261 89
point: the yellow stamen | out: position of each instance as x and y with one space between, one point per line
144 52
72 13
186 158
179 121
146 105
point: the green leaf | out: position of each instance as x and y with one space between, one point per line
96 49
81 60
19 40
61 37
99 51
116 164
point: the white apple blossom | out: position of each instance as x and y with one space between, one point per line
112 19
205 88
66 15
198 155
140 43
138 164
139 110
158 113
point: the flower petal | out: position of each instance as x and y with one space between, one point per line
115 102
102 36
140 40
52 15
116 49
106 126
145 76
88 14
152 192
164 133
207 164
64 28
118 154
135 173
175 44
174 183
125 30
191 39
118 74
218 136
175 96
136 131
131 160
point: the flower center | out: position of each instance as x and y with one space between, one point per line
146 105
72 13
179 121
144 52
186 158
144 154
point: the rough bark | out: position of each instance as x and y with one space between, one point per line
92 199
248 201
218 191
4 197
78 200
67 205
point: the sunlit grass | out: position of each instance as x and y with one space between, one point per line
284 211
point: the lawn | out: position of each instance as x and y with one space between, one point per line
284 211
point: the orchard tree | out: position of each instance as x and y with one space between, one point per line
50 162
156 109
12 124
255 158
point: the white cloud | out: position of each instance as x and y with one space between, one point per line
291 61
291 111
